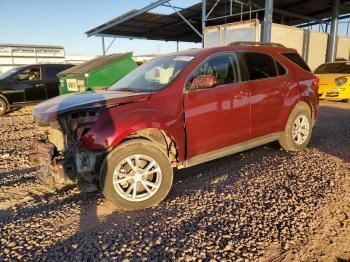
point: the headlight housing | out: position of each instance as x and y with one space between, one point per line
341 81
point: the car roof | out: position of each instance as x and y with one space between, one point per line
48 64
238 47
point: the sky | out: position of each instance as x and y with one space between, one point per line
65 22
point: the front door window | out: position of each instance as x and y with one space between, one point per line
30 74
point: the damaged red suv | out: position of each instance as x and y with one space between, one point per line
176 111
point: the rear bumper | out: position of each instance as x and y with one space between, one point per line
50 169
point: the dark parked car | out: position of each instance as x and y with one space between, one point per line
176 111
29 83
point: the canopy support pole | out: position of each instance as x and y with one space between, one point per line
266 33
332 40
103 45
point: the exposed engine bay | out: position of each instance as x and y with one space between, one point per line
60 158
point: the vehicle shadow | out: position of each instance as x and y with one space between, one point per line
98 215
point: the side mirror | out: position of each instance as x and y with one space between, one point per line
203 81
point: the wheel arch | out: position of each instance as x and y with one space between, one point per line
159 136
2 96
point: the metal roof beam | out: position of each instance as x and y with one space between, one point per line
283 12
234 15
212 9
119 36
128 17
296 15
293 4
186 21
324 21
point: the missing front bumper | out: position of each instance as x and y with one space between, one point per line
50 169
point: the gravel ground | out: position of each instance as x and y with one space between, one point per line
263 204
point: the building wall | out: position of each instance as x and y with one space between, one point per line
311 45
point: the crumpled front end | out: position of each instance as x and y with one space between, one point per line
60 159
50 168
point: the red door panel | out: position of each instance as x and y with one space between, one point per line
216 118
267 97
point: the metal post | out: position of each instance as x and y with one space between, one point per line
103 46
204 11
177 46
250 12
332 40
36 55
241 12
266 34
12 58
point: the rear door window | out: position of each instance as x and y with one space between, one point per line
259 65
298 60
52 71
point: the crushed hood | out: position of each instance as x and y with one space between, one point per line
51 109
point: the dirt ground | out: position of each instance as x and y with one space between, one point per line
264 204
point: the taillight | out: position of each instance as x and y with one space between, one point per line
315 83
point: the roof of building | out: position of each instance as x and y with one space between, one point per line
31 46
145 24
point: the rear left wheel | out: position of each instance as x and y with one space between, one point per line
298 129
136 175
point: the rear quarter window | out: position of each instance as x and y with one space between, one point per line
52 71
259 65
298 60
281 70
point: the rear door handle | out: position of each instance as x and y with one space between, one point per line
241 94
40 85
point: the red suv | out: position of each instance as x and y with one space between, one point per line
178 110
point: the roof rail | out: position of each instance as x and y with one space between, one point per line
256 44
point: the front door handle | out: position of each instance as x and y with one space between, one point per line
40 85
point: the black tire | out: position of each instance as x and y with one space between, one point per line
126 149
286 141
3 107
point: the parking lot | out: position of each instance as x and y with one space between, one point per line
264 203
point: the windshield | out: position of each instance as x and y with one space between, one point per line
10 72
335 68
154 75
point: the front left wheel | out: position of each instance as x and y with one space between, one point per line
136 175
3 107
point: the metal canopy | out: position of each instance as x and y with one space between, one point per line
182 24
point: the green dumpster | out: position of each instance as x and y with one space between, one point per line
96 74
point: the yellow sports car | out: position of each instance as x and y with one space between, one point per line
334 81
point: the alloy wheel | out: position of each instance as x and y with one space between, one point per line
301 129
137 178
